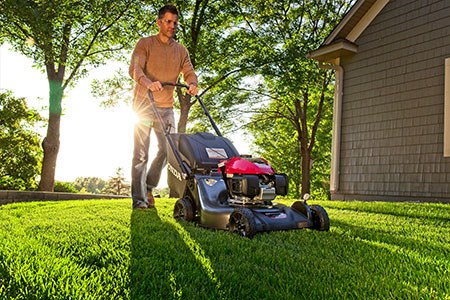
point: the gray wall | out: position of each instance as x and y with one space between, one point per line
393 106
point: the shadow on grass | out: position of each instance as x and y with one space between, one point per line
306 264
163 264
179 260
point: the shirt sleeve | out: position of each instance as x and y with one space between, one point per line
137 65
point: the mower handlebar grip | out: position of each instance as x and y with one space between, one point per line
174 84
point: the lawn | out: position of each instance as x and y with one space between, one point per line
101 249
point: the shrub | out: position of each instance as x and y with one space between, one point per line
9 183
64 187
20 150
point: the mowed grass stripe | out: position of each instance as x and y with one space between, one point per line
101 249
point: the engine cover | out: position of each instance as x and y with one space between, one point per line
238 165
252 180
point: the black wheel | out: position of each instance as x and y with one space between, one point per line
242 222
183 210
320 218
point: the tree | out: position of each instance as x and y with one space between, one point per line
64 37
93 185
117 185
206 29
20 151
276 140
298 91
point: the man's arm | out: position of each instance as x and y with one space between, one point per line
137 65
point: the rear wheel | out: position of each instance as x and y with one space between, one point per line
183 210
320 218
242 222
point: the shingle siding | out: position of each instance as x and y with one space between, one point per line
392 122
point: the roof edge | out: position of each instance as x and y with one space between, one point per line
330 53
343 22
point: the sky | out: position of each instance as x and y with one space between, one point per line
94 141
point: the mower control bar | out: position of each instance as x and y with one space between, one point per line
184 172
216 129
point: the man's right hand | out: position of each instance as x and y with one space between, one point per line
155 86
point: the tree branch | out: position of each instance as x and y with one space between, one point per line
64 50
220 80
94 38
318 115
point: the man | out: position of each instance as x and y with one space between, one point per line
156 59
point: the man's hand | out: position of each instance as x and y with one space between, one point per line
155 86
193 90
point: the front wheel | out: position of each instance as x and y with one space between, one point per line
320 218
183 210
242 222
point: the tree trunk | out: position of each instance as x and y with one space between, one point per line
306 168
51 141
182 122
185 106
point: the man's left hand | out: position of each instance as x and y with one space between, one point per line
193 90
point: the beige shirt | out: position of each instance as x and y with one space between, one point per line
153 60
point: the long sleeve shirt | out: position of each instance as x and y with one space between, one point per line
153 60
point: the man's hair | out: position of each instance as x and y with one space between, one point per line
167 8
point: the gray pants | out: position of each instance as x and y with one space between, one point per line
143 181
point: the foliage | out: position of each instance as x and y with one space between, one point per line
114 90
294 88
373 250
64 187
117 185
276 142
66 38
8 183
71 35
92 185
207 30
20 151
161 192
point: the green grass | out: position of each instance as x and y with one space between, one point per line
101 249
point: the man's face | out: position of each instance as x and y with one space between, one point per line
168 25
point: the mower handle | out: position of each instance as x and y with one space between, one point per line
216 129
174 84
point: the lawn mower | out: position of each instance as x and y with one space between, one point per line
220 189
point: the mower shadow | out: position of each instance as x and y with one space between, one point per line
162 266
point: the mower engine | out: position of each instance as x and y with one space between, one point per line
252 181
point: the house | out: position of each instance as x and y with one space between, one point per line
391 126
